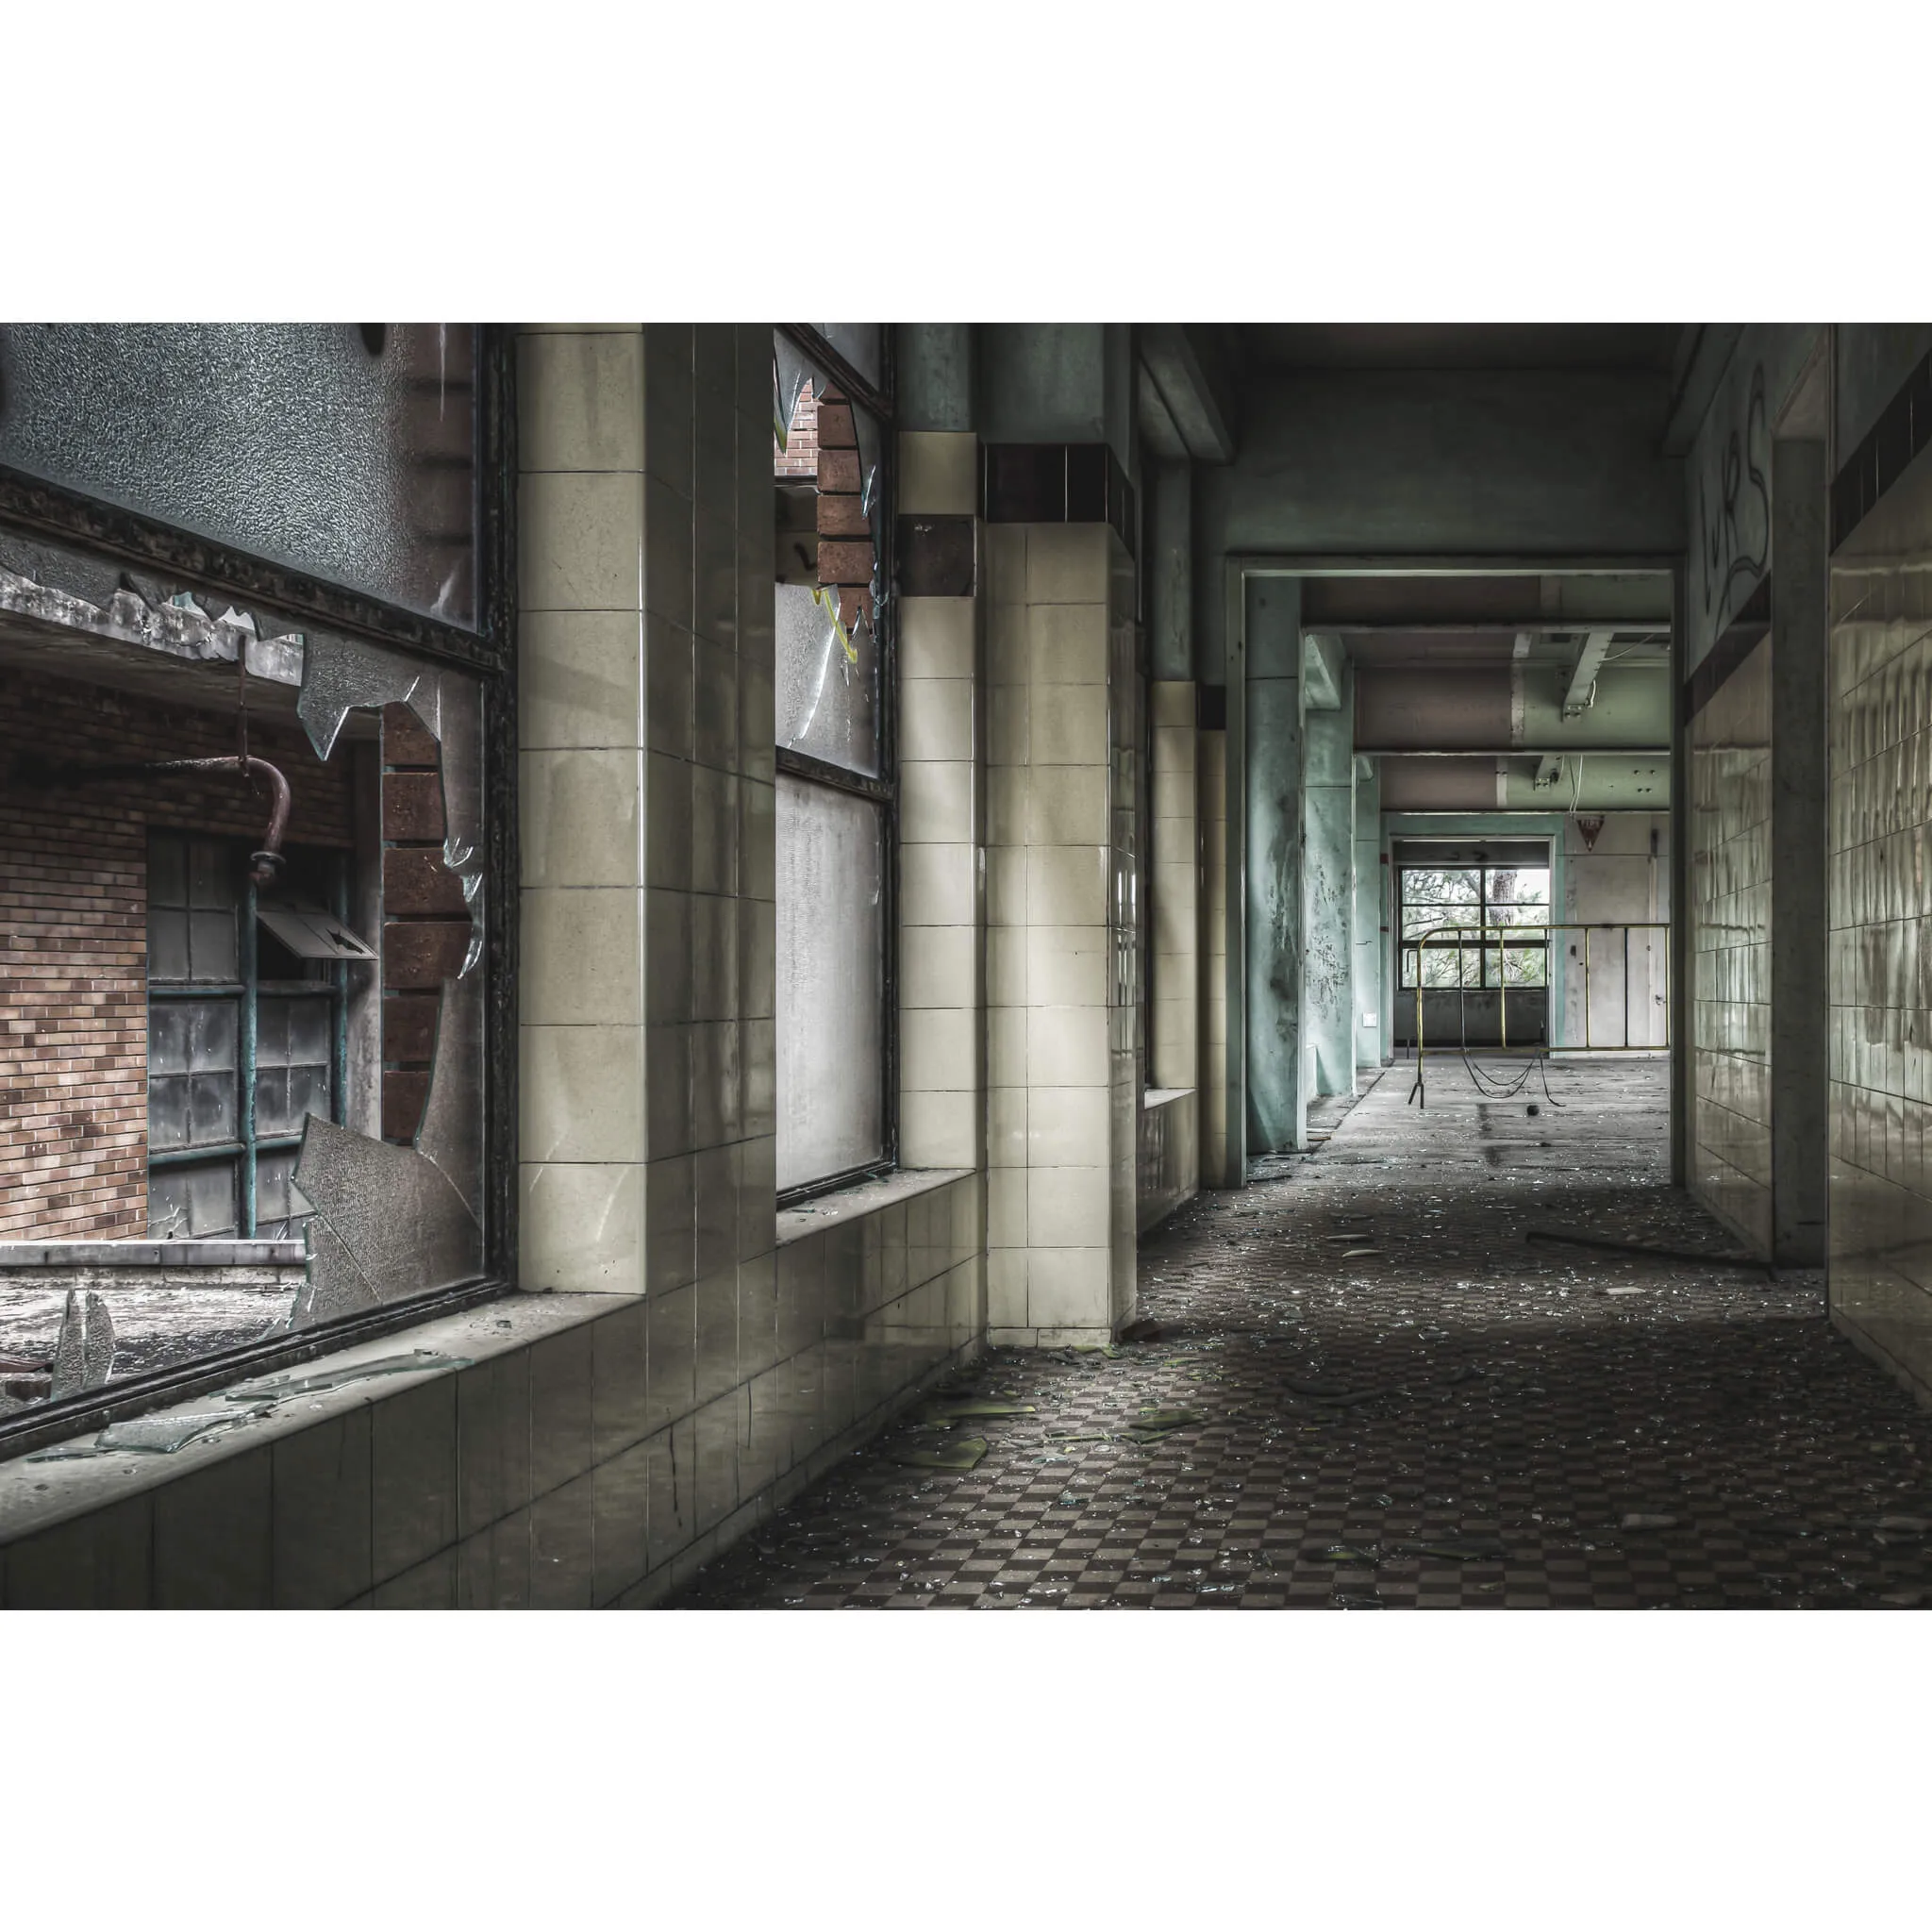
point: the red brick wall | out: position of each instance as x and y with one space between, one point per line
74 933
800 456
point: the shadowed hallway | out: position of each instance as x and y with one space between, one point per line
1460 1417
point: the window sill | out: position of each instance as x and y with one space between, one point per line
152 1255
37 1495
863 1198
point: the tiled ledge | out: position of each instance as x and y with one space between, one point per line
152 1255
863 1198
37 1495
1164 1096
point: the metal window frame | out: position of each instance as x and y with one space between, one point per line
488 653
246 995
883 790
1404 945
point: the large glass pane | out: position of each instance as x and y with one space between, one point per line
345 450
193 1203
831 990
827 681
861 343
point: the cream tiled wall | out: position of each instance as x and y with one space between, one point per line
1880 1260
1064 1091
566 1467
1730 951
942 767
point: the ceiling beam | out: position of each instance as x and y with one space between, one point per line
1192 387
1582 692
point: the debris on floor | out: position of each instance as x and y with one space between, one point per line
1473 1426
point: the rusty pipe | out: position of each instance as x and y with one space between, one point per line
264 866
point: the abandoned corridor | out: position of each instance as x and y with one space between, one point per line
1372 1391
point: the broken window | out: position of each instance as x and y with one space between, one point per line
1446 902
836 791
243 860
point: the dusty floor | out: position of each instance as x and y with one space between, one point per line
1390 1398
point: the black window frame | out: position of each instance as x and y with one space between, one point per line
486 651
1481 942
882 790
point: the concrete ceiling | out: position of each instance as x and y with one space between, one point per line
1276 346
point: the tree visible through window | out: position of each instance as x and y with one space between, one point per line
1474 897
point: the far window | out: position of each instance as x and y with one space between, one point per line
1450 921
835 778
246 1040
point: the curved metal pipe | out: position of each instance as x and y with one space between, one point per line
264 866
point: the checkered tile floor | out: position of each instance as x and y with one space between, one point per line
1459 1418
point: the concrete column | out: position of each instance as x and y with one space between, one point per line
648 940
1370 1026
1061 972
1328 888
1220 1162
941 1033
1277 1105
1176 891
1800 629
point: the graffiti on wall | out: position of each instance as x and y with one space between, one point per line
1730 512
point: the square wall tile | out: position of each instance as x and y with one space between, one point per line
580 402
936 718
938 885
939 1129
578 680
322 1531
1068 563
580 542
581 813
580 1094
582 1228
412 1475
939 967
939 473
935 805
936 638
580 961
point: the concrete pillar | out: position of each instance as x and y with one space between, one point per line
1277 1104
1176 891
1370 1026
1799 630
1062 970
1328 890
1220 1162
647 976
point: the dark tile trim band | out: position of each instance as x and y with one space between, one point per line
1057 483
1902 431
1736 642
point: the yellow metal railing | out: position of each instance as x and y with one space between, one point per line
1461 937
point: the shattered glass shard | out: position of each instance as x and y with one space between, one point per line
965 1453
451 1134
396 1213
97 1344
790 372
270 1390
70 1352
342 675
335 1287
